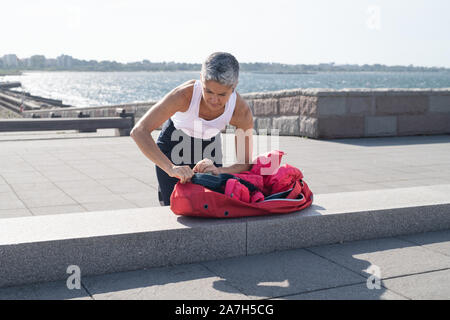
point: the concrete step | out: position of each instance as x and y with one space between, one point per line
41 248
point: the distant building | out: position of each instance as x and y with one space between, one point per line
10 60
64 61
51 63
37 61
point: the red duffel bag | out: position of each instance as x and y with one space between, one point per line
266 189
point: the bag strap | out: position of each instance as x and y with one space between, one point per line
292 193
216 183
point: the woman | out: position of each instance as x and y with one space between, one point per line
196 112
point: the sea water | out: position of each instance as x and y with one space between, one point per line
83 89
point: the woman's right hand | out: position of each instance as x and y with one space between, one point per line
184 173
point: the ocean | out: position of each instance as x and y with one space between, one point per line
84 89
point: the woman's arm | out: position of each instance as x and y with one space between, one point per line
174 101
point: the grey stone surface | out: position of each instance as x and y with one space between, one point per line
308 106
425 286
341 127
296 274
393 257
265 107
411 220
33 199
398 104
290 105
57 209
44 291
352 216
381 126
360 106
435 241
432 123
191 281
331 106
281 273
288 125
352 292
9 200
40 248
440 104
296 230
263 124
15 213
309 127
329 166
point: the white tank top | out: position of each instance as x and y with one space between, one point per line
190 122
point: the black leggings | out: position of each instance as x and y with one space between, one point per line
178 157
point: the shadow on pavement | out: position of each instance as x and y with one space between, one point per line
337 271
393 141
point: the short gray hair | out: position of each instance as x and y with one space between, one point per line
221 67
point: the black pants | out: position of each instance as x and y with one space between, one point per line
182 149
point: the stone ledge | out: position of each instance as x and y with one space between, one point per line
36 249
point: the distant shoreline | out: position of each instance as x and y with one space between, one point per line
22 72
10 73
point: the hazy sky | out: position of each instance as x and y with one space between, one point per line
287 31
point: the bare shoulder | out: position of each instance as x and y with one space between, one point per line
182 94
242 115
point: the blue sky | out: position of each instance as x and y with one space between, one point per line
395 32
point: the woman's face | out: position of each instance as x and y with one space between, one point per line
215 94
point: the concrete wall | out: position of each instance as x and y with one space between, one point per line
328 114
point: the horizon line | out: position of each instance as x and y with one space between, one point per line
267 62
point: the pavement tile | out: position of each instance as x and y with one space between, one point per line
110 205
45 199
44 291
425 286
412 183
87 190
98 173
329 166
359 187
143 200
393 257
125 185
437 241
9 200
96 198
15 213
37 193
353 292
282 273
57 209
78 184
185 282
25 178
4 188
66 176
34 186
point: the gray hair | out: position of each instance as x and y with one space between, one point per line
221 67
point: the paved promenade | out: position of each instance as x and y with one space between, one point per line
55 173
408 267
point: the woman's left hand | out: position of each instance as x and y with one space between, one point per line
206 166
